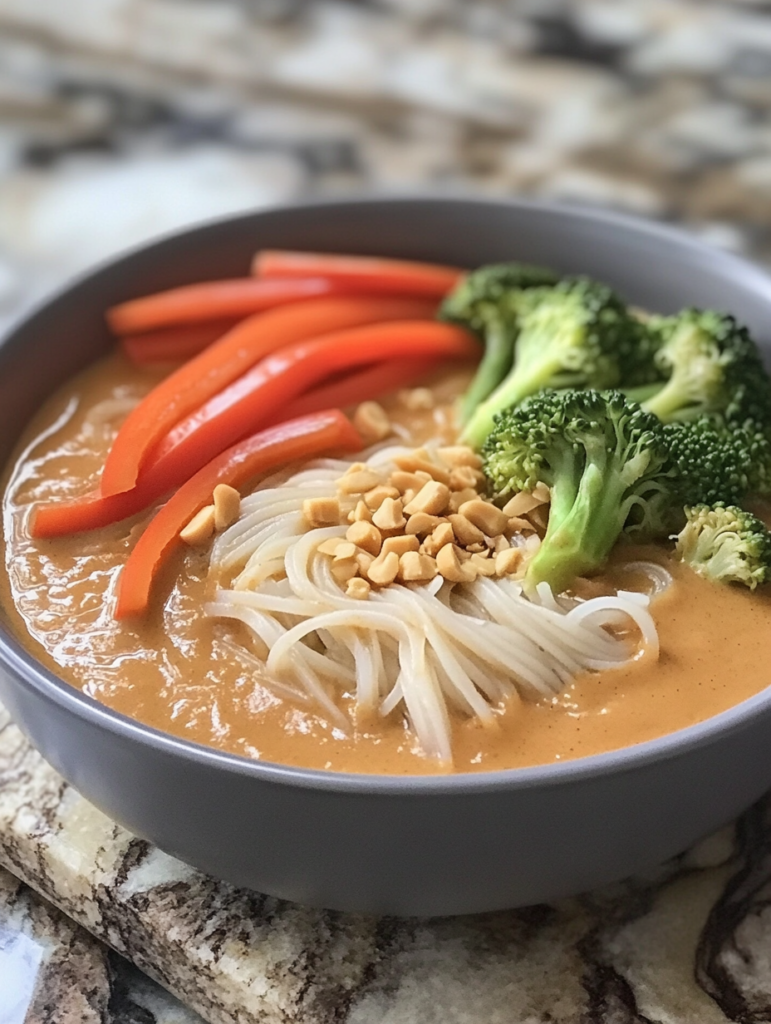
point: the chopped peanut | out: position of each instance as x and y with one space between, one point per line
322 511
417 568
460 455
500 544
507 561
432 498
418 461
401 545
359 482
521 504
484 566
358 588
517 525
423 523
366 536
417 398
344 570
372 422
345 551
361 514
363 561
477 549
458 498
465 530
389 516
330 546
409 495
464 476
449 565
442 535
542 492
403 480
384 569
227 506
200 528
375 498
487 517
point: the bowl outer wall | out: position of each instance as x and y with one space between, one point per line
407 845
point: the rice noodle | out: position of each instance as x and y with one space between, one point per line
420 648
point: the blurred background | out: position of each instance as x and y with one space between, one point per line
122 119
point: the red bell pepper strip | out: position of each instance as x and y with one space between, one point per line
226 360
174 344
96 510
296 439
368 273
371 382
212 300
262 394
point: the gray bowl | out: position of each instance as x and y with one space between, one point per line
402 845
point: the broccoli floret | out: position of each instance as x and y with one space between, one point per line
711 366
577 334
716 463
609 468
486 301
726 544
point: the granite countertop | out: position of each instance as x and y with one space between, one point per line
122 120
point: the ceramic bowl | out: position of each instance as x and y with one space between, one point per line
401 845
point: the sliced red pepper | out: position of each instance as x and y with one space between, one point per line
96 510
227 359
297 439
174 344
263 393
213 300
369 273
371 382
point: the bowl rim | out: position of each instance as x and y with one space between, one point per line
30 672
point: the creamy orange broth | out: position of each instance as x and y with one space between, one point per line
188 675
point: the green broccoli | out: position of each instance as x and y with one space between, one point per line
609 468
577 334
726 544
711 367
717 463
486 301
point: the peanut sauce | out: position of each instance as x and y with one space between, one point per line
193 677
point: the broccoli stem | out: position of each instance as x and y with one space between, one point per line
494 365
642 393
582 531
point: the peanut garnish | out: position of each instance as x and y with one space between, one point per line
415 567
542 492
419 461
361 514
344 570
442 535
484 566
372 422
363 561
423 523
521 504
200 528
358 588
465 530
507 561
227 506
384 569
458 498
460 455
401 545
539 517
358 482
389 516
375 498
486 517
330 546
464 476
403 480
366 536
432 498
322 511
449 565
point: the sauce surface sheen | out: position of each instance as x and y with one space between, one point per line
186 674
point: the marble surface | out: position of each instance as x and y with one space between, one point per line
123 120
687 944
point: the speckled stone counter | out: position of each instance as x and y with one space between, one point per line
121 120
688 944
